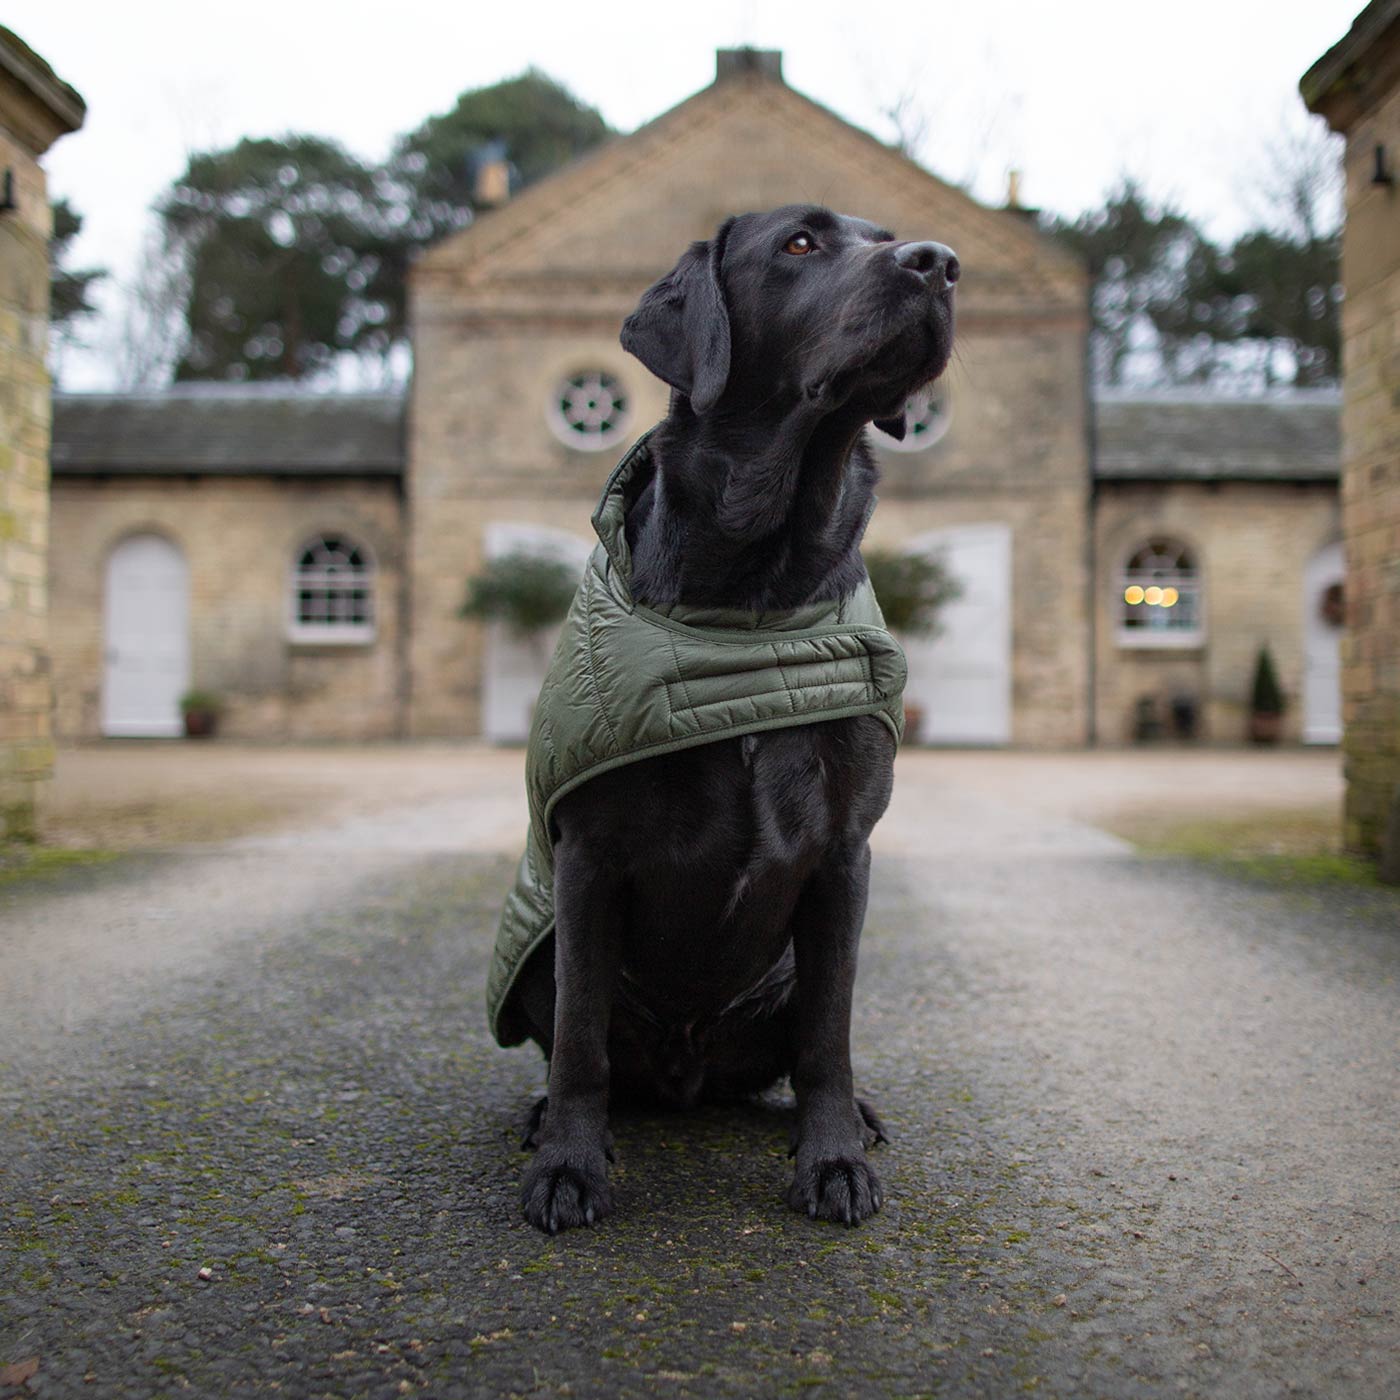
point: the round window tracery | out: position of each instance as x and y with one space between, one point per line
589 410
926 420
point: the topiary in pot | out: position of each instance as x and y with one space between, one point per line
1266 701
527 592
911 589
200 710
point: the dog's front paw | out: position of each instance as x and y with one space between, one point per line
836 1188
565 1189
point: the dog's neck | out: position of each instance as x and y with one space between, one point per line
759 511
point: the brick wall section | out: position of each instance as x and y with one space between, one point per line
1252 542
240 537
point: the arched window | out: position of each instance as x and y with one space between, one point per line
332 592
1158 596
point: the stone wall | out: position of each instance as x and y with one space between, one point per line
1252 542
240 537
35 109
1371 478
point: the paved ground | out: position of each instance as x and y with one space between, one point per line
257 1138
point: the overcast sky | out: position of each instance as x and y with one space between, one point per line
1188 95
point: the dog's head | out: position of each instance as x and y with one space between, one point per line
800 304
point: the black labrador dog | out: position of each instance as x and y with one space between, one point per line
709 902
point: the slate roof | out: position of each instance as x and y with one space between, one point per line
229 430
240 430
1185 435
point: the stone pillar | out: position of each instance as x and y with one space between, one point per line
1356 87
36 108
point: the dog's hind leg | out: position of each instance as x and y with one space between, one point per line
530 1138
566 1184
868 1116
832 1177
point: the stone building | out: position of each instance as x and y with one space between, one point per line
36 108
1356 87
313 552
1233 504
515 333
195 538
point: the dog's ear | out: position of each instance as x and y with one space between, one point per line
680 329
893 426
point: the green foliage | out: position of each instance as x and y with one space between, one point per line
69 289
527 592
539 122
911 589
205 701
298 252
1262 310
283 241
1266 696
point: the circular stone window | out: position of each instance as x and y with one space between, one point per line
926 419
589 410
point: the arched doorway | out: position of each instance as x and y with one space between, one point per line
962 677
146 638
515 665
1324 579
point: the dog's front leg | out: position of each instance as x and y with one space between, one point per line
567 1183
833 1178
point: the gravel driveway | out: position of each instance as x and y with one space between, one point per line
257 1137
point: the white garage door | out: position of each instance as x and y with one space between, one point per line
962 677
146 634
515 665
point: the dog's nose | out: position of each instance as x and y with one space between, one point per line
936 264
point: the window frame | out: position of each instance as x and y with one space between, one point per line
334 634
1164 639
937 392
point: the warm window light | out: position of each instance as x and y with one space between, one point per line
1153 596
1132 595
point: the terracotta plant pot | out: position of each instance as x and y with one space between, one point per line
201 724
1264 728
913 723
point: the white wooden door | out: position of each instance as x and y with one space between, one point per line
146 631
962 677
1322 649
515 665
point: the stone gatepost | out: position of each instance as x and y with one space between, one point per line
1355 86
36 108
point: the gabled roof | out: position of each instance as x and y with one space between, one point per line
228 430
748 141
1358 69
1187 435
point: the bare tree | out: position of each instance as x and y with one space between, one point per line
152 332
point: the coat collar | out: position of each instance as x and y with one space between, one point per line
623 487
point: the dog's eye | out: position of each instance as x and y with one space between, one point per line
799 245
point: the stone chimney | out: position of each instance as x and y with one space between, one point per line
491 175
735 63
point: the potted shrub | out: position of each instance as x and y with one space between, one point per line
527 592
1266 702
201 710
911 590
